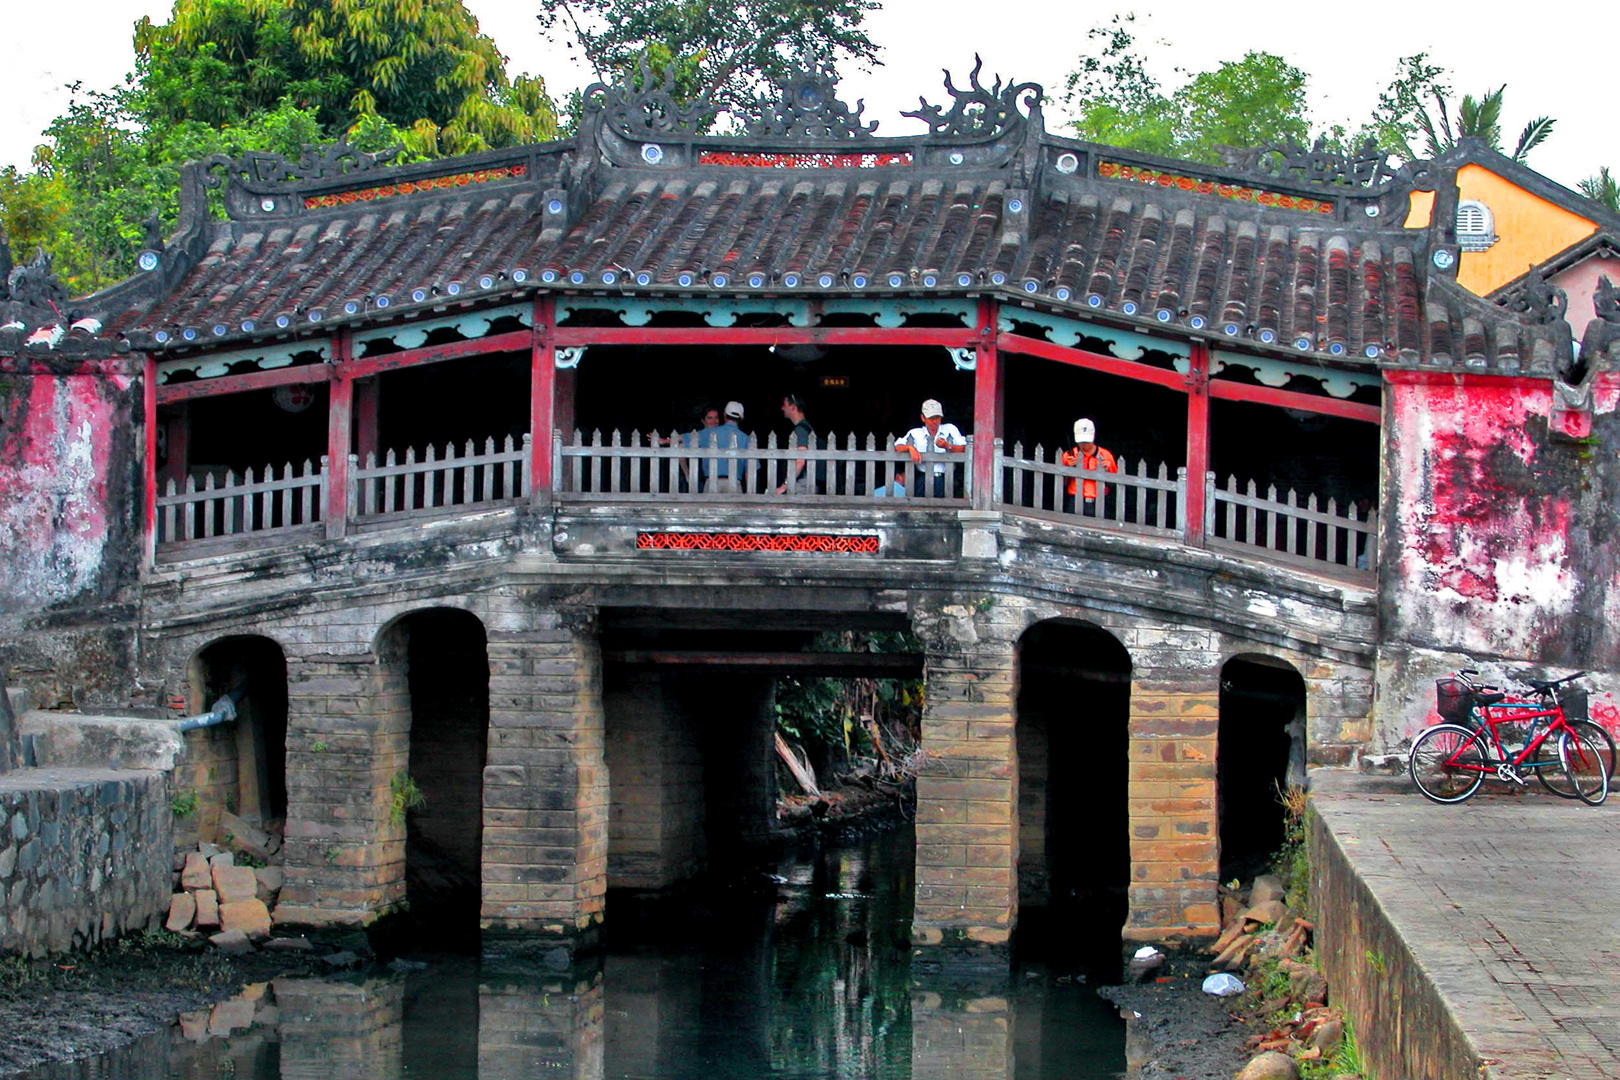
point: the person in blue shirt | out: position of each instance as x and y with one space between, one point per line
896 487
728 475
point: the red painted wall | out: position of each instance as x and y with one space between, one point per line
1497 548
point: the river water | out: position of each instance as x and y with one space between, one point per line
796 971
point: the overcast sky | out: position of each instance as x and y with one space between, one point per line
1562 65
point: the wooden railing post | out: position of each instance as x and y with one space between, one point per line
1193 516
339 422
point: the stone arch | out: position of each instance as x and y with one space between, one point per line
1072 703
240 766
1261 746
433 670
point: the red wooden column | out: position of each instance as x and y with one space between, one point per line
986 405
149 501
542 397
339 421
1197 443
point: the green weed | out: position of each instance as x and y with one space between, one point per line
184 804
404 797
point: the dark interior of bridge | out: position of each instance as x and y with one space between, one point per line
448 678
1073 723
847 389
1261 723
256 668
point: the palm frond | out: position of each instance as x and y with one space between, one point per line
1533 135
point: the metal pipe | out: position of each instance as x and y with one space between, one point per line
224 711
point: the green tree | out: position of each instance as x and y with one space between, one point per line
1602 188
229 76
1414 118
1239 104
421 65
730 53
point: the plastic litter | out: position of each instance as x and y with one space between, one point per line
1222 984
1146 952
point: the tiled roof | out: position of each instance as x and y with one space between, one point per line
1270 263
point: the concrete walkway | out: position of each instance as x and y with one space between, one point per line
1509 906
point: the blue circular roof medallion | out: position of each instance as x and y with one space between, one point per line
453 288
247 326
485 281
1196 322
896 280
1063 292
756 281
644 278
684 280
1128 307
609 277
189 333
1093 300
790 279
1163 314
719 281
964 280
1268 336
577 277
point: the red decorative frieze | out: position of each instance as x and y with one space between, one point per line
803 161
817 543
1113 170
407 187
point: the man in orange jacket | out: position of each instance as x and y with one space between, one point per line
1088 455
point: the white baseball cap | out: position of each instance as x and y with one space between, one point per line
1085 431
931 408
734 410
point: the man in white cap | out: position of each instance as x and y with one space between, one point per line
718 473
1088 455
933 437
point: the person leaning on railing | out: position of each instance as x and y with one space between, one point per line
800 477
933 437
1088 455
727 436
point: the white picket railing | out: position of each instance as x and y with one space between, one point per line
1286 529
440 480
1145 501
228 505
614 469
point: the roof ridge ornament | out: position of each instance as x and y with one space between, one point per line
317 161
1365 167
1538 299
641 107
979 110
31 293
808 107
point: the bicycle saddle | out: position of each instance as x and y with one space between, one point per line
1488 699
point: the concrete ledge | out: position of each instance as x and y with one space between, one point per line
1403 1024
74 740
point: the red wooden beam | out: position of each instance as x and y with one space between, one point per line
1192 526
339 420
1292 399
149 415
514 341
542 396
238 384
568 336
1064 354
987 390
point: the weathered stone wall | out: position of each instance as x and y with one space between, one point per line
85 856
69 534
1497 550
655 823
1376 980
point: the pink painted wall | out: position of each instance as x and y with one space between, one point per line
1497 549
1579 282
68 533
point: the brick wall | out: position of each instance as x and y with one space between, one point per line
655 823
548 1026
967 797
347 1029
545 786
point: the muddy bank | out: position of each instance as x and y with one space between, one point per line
1178 1032
77 1006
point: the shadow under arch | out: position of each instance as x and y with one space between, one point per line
1260 748
439 658
1073 737
239 766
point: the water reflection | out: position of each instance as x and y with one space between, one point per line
798 974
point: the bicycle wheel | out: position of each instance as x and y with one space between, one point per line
1550 771
1584 767
1448 763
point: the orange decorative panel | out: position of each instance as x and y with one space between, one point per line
1111 170
816 543
407 187
803 161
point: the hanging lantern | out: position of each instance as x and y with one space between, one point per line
295 398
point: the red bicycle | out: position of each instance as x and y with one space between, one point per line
1450 761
